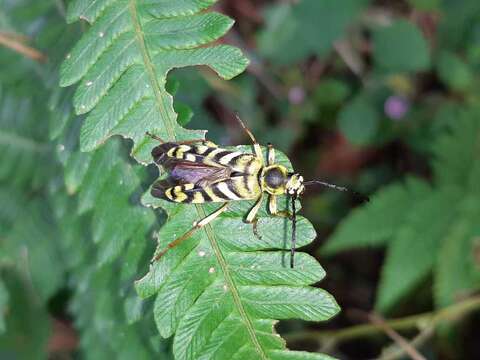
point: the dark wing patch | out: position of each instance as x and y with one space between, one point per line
183 171
159 187
159 153
189 172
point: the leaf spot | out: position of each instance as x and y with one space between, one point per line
101 34
225 287
201 253
60 147
211 270
68 56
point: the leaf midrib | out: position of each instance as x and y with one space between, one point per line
150 69
169 124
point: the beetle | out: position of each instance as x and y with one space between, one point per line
200 171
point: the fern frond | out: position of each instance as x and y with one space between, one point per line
222 285
413 250
124 59
24 318
376 223
24 150
104 184
453 158
426 229
457 164
456 272
39 244
29 245
217 289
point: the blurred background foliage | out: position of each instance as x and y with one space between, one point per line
381 96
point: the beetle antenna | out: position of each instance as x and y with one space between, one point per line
294 232
153 136
245 128
362 197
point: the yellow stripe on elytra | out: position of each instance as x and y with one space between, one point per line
253 186
168 193
238 182
190 157
225 160
200 149
181 150
210 144
178 194
240 187
247 164
198 198
171 152
223 187
254 167
212 195
214 152
188 186
208 160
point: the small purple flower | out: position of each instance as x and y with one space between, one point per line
396 107
296 95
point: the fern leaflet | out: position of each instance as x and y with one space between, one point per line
426 229
217 292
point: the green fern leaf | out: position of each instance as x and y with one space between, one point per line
230 272
124 59
42 261
456 272
25 319
217 289
24 152
453 270
414 247
447 149
426 229
375 223
34 252
104 182
86 10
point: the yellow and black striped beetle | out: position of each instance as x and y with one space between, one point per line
200 172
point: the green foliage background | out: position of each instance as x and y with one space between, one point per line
379 95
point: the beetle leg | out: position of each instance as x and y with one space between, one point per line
272 205
271 154
252 216
196 226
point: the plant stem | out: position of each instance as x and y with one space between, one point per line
417 341
14 44
401 342
431 319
